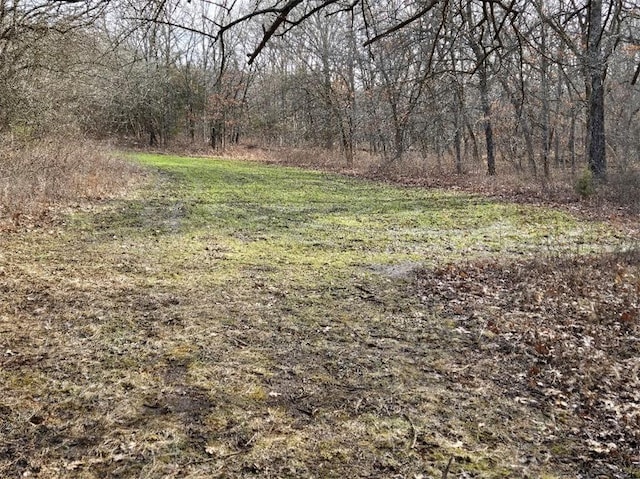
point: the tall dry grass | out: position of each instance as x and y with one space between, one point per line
38 174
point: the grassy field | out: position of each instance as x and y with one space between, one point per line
240 320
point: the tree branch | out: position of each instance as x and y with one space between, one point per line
176 25
282 16
403 24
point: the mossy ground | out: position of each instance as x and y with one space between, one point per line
240 320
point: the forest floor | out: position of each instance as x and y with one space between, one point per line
233 319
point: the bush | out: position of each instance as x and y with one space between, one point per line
36 174
585 186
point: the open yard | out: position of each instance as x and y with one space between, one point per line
236 320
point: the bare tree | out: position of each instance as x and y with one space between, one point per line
28 28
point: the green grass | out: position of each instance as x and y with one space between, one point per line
276 215
234 319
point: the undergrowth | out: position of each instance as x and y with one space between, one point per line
37 174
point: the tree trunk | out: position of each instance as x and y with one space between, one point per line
475 151
517 104
212 138
596 132
153 139
488 127
544 84
558 157
458 113
572 139
458 150
349 128
398 142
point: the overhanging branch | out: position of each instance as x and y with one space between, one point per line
404 23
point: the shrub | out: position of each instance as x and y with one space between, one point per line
585 185
623 188
37 173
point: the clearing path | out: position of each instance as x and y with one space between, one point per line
242 320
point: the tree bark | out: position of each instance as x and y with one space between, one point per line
488 127
596 129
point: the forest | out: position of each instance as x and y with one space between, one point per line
533 88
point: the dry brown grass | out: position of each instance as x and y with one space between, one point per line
38 174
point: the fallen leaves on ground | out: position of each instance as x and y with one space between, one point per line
564 337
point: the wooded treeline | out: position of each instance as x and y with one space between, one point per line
533 85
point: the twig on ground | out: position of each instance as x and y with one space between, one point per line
445 473
414 431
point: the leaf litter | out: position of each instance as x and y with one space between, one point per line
560 335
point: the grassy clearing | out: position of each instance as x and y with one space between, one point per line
239 320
